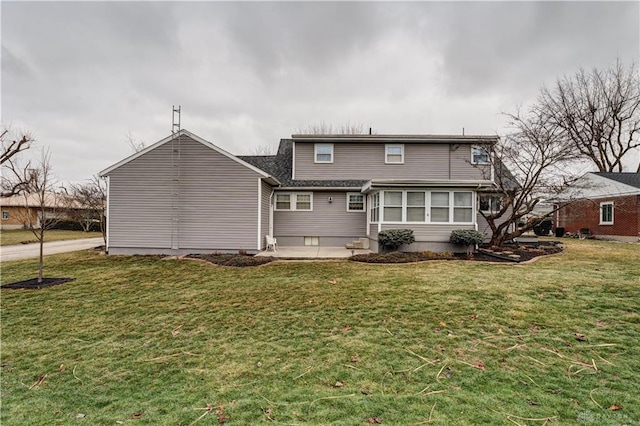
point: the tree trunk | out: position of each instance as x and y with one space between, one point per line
41 259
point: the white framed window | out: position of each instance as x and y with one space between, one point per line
440 207
416 206
294 201
375 207
311 241
5 215
323 153
394 154
283 201
392 211
606 213
303 201
490 203
410 206
480 155
355 202
462 207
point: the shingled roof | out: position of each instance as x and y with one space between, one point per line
628 178
281 167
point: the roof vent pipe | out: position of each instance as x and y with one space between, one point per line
369 131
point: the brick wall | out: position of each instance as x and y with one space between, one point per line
586 214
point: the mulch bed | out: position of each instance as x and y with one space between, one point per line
236 260
512 253
517 252
33 283
400 257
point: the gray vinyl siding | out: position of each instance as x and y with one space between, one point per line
366 161
264 213
483 226
218 201
331 222
433 237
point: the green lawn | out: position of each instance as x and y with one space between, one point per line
20 236
139 340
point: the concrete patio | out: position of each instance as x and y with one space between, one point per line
313 252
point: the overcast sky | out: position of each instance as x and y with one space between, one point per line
83 75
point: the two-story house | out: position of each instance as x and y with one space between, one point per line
186 195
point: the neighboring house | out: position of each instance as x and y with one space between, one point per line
23 210
606 205
184 194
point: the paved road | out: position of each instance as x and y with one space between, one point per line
26 251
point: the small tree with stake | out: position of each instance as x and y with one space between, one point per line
39 192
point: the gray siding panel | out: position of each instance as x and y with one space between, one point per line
366 161
326 220
218 201
428 236
483 226
430 232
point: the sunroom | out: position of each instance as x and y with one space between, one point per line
432 209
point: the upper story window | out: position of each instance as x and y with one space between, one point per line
294 201
606 213
480 155
355 202
394 154
323 153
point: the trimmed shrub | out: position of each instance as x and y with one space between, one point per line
392 239
466 237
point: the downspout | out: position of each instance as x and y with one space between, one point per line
259 224
271 211
475 208
107 212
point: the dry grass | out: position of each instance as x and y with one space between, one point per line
21 236
443 342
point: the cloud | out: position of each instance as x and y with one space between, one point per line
82 75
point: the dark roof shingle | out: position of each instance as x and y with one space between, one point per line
628 178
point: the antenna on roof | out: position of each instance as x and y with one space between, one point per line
175 178
463 131
370 131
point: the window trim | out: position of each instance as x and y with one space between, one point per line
402 206
473 156
490 197
606 203
364 202
293 202
386 153
428 205
374 206
315 153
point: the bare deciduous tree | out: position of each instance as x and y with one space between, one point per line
13 183
264 150
599 111
47 203
323 128
92 198
529 165
134 143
